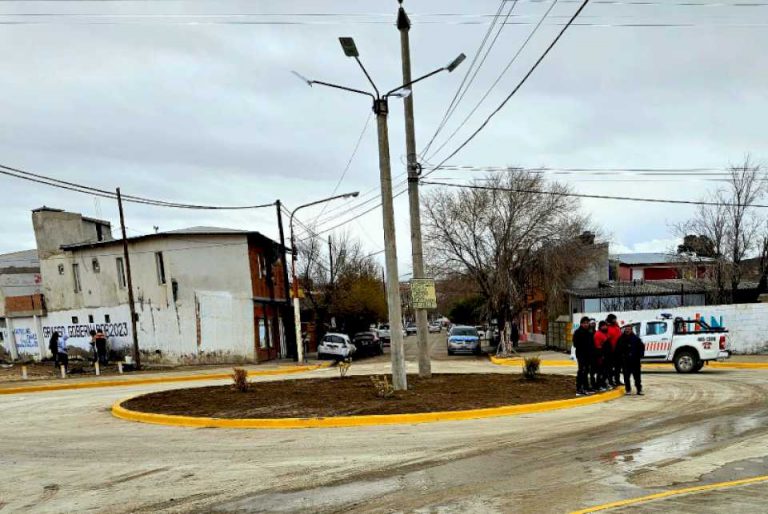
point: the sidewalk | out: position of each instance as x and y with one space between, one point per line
181 374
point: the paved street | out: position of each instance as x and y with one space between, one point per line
67 453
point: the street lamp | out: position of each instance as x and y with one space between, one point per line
296 306
381 109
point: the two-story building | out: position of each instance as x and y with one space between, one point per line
19 277
202 294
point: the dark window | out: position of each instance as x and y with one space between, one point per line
61 269
75 320
656 328
160 267
90 318
95 265
106 318
175 289
120 273
99 233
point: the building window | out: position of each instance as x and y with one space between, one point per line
95 265
120 273
90 318
61 269
75 320
76 277
262 267
106 318
99 233
160 268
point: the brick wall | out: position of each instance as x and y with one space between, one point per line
25 305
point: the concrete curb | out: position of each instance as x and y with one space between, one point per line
357 421
154 380
673 492
516 361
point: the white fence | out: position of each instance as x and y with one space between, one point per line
747 323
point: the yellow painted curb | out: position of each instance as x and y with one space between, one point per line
153 380
673 492
358 421
517 361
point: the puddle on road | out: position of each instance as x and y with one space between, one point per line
677 445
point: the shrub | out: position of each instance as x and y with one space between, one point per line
531 367
240 380
382 386
344 366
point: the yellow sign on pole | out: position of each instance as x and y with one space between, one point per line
423 293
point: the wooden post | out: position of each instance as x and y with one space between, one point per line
120 367
63 371
24 373
98 370
129 280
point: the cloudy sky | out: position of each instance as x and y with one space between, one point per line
195 102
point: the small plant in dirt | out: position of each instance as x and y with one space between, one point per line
240 380
382 386
531 367
344 366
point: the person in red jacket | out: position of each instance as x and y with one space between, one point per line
598 361
614 366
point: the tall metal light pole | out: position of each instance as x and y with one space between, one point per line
296 306
381 109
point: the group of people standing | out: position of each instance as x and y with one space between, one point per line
605 351
58 347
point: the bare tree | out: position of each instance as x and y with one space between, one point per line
512 234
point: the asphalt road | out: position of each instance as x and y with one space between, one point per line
64 452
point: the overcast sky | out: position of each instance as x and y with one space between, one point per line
156 98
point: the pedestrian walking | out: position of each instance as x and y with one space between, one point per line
94 354
53 346
61 349
583 343
598 359
514 334
615 363
632 350
101 347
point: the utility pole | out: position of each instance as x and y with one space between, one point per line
399 377
292 343
330 258
404 25
129 281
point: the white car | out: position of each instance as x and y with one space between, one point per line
335 346
435 327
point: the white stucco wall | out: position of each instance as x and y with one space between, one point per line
746 323
211 271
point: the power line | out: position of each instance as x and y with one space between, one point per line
515 90
80 188
454 100
583 195
498 79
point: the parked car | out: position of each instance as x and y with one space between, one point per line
410 328
463 339
435 327
335 346
384 333
368 343
480 331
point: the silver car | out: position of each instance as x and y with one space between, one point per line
463 339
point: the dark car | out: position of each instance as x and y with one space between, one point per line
368 343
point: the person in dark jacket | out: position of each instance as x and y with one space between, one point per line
632 350
583 343
101 347
613 363
53 346
514 334
598 359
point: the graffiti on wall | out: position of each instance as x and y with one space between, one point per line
83 331
26 340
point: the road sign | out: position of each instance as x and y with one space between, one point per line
423 293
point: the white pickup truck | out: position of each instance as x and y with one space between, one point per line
687 343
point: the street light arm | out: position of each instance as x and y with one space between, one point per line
367 76
345 88
398 88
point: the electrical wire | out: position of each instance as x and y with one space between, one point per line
80 188
584 195
498 79
515 90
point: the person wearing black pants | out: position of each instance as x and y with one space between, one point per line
583 342
632 350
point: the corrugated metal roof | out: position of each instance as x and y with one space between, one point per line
650 288
657 258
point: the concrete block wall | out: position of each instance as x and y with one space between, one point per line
746 323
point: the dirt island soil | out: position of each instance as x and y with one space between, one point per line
355 395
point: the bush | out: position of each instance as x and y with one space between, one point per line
240 380
531 367
344 366
382 386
